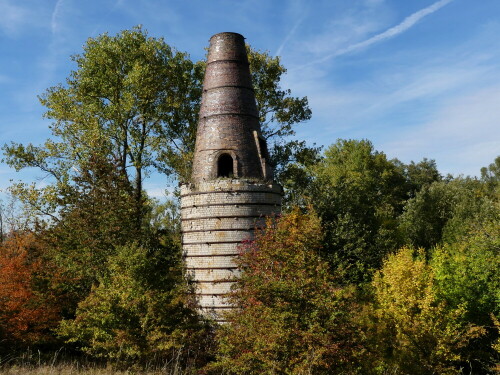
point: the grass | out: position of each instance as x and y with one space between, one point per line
72 369
35 363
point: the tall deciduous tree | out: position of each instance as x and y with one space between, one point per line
139 309
132 100
359 194
279 113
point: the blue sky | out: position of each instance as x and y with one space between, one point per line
419 78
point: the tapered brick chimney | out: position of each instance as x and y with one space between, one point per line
231 189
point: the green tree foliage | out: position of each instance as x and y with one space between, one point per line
467 273
413 330
279 112
97 218
138 309
447 210
358 194
491 174
290 318
420 174
132 101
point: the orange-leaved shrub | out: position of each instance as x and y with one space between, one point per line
29 309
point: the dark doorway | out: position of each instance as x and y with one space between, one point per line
225 166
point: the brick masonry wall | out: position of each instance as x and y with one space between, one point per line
228 114
216 217
231 190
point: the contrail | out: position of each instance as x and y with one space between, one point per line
289 35
406 24
53 22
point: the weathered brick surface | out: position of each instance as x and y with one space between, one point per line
227 46
235 197
217 236
228 113
212 275
216 217
211 249
213 301
227 73
221 287
219 213
216 211
218 223
210 262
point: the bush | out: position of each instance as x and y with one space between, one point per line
138 310
290 318
413 331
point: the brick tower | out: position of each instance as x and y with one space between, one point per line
231 188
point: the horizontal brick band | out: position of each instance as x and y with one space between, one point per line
241 62
210 268
215 281
235 86
210 242
225 217
229 114
212 255
267 191
192 212
219 230
235 204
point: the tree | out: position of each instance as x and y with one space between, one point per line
466 274
279 112
491 174
98 216
138 309
421 174
358 194
132 100
446 211
289 316
414 331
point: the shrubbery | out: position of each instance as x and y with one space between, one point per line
291 316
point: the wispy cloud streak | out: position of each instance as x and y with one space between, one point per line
400 28
54 25
289 35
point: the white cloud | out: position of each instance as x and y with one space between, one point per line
13 17
405 25
21 17
56 13
289 35
461 136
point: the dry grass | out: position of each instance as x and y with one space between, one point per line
34 363
73 370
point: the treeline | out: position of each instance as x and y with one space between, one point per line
375 266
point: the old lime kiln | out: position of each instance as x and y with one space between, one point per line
231 188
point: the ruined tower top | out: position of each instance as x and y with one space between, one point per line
229 143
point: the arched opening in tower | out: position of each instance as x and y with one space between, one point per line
225 166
